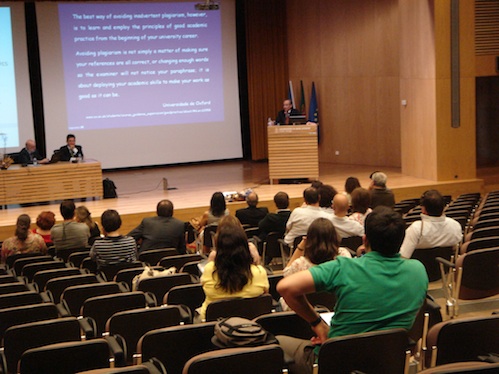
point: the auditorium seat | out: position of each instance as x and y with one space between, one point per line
73 297
56 286
42 277
101 308
178 261
428 258
152 256
190 295
9 261
29 270
463 339
18 299
174 346
375 352
239 307
69 357
161 284
285 323
20 338
132 324
268 359
76 258
20 261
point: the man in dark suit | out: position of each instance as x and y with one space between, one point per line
162 231
29 154
276 222
251 215
70 150
287 110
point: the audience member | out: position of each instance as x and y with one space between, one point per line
233 221
316 184
351 183
45 221
276 222
29 154
320 245
232 273
434 229
23 241
344 227
114 248
82 214
301 217
361 200
218 209
162 231
70 150
251 215
380 194
326 196
69 234
286 112
377 291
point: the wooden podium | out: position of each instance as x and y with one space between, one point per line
293 152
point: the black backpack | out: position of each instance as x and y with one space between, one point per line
109 189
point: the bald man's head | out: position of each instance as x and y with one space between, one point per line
252 199
340 205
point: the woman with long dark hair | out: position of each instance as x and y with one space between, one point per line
24 240
232 273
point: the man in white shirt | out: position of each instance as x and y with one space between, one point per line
345 227
434 229
301 217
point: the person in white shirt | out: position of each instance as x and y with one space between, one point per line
301 217
344 227
434 229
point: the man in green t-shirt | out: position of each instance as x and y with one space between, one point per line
377 291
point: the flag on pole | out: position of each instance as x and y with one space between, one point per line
313 111
302 100
291 94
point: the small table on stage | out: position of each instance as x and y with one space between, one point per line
293 152
49 182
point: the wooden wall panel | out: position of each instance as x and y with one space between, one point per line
266 50
350 49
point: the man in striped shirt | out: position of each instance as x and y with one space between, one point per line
114 248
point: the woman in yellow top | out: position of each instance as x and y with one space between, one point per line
233 273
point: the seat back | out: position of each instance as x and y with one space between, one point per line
132 324
152 256
57 285
161 284
239 307
273 280
69 357
76 258
268 359
285 323
20 338
464 339
101 308
29 270
73 297
8 278
109 272
484 232
190 295
64 254
127 275
271 247
480 276
16 299
179 260
377 352
480 243
174 346
208 237
325 299
352 242
191 268
7 288
89 264
18 261
24 314
428 258
43 276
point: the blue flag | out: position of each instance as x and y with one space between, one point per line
313 111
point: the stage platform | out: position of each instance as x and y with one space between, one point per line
190 188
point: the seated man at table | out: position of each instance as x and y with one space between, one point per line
70 151
29 154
